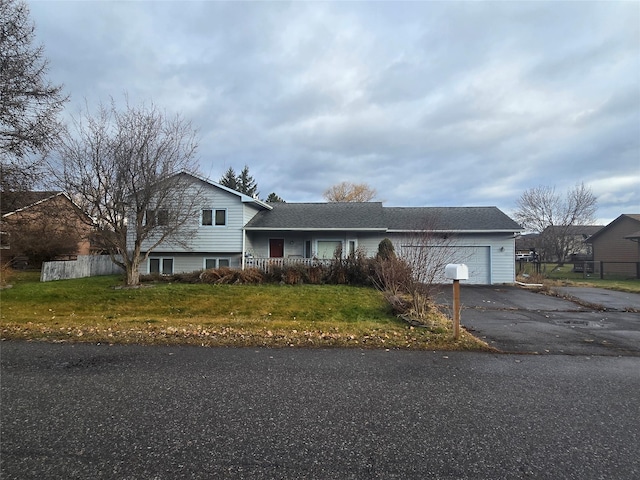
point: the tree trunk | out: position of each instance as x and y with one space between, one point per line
133 274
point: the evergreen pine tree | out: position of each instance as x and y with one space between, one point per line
274 198
229 179
246 184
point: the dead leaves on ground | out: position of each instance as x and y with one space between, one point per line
151 334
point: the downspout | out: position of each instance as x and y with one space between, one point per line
244 241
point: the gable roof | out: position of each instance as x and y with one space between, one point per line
243 198
11 202
633 216
372 216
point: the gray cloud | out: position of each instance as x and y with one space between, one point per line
431 103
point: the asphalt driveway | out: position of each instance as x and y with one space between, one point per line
586 321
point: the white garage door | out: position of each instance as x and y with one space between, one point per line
479 262
477 259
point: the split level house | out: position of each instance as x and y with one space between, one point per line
235 230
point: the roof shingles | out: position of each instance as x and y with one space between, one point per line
373 216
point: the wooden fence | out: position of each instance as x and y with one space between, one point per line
84 266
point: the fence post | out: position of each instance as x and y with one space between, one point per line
601 270
637 269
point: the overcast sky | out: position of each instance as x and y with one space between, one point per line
430 103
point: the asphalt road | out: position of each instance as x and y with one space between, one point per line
132 412
591 321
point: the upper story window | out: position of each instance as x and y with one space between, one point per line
217 217
157 218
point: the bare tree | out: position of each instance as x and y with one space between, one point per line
29 103
350 192
124 168
542 207
415 266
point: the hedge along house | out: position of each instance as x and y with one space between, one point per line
235 230
481 237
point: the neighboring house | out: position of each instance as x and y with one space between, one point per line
617 245
526 244
236 230
562 243
39 226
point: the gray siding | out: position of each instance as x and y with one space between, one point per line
185 263
501 255
497 251
212 238
294 242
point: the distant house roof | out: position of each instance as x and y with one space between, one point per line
528 241
584 230
633 216
372 216
13 201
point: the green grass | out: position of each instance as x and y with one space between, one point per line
565 275
96 310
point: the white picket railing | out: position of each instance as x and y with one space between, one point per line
267 264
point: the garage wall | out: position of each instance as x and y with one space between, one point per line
490 257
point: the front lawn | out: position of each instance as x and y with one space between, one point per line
97 310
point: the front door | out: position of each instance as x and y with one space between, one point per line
276 247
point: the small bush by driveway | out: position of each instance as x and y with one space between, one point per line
513 319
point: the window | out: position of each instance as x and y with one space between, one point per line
157 218
328 249
162 217
221 217
216 217
216 263
161 265
4 240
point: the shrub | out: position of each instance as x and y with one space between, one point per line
155 277
316 274
392 275
295 274
226 275
386 251
274 274
190 277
